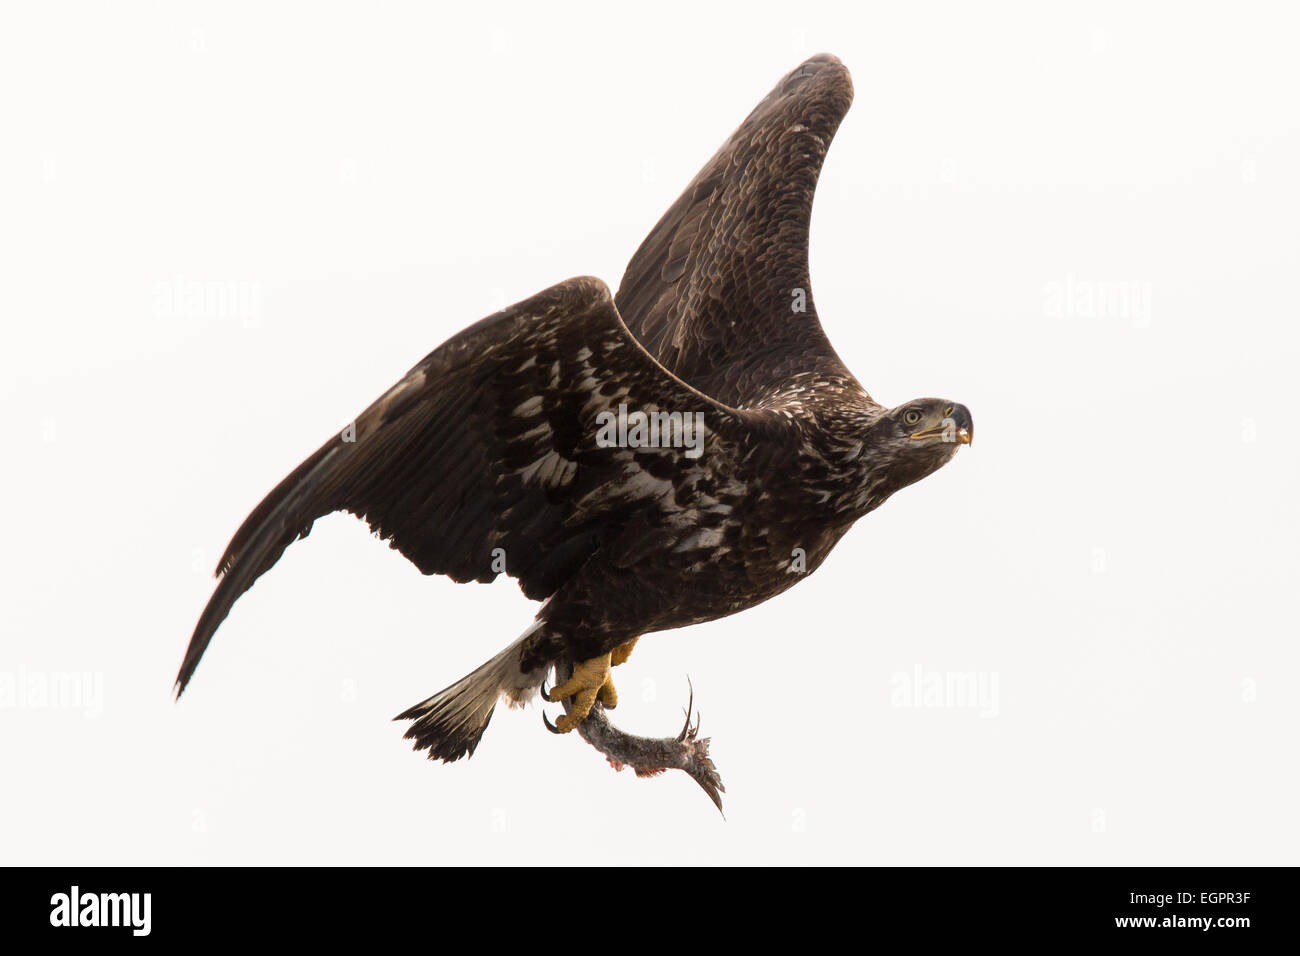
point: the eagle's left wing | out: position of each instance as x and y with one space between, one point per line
491 443
719 290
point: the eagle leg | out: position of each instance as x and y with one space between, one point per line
590 682
620 654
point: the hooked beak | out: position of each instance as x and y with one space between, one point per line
948 431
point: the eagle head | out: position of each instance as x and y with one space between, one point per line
914 440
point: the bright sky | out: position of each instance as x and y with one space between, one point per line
228 228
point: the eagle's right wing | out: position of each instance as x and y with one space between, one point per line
490 442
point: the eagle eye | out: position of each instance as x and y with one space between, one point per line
911 416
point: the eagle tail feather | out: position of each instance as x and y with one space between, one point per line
450 724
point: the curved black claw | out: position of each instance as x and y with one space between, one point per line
690 705
550 726
546 693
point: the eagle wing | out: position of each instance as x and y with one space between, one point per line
490 442
715 291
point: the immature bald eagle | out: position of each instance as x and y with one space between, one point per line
673 454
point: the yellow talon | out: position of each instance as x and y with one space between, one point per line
590 680
590 683
608 694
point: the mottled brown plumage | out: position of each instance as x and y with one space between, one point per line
486 458
711 292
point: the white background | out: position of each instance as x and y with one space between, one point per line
226 229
